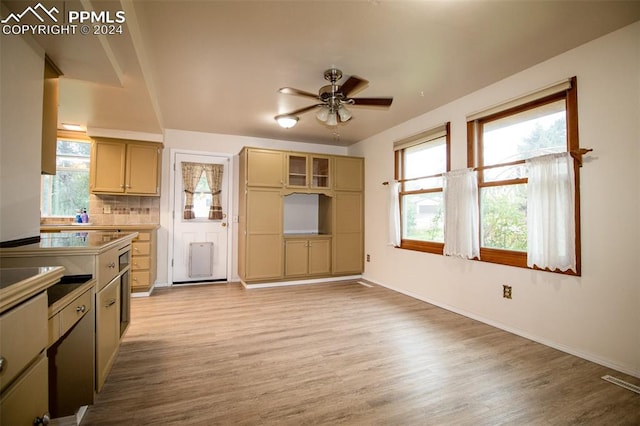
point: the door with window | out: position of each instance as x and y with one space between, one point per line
200 226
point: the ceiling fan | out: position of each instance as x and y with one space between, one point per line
333 100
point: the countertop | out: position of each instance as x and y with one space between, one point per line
69 243
19 284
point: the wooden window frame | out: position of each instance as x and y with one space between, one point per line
474 159
419 245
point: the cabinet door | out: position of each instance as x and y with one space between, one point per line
297 171
348 173
107 167
349 233
264 246
142 172
320 172
28 398
107 329
319 256
296 260
265 168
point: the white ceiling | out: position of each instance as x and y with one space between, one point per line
216 66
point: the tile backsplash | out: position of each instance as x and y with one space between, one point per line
123 210
116 210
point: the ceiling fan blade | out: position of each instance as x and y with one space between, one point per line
353 85
383 102
297 92
302 110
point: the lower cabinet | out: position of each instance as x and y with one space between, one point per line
24 394
305 257
261 248
28 398
107 329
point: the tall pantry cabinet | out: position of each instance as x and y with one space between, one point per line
268 251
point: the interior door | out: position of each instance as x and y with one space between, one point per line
199 244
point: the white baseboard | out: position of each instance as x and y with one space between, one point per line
518 332
300 282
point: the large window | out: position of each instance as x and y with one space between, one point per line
499 144
420 163
64 193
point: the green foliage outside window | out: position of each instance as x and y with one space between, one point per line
68 190
503 209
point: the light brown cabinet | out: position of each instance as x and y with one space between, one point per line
261 232
348 173
307 256
308 171
265 251
125 167
143 261
49 118
265 168
107 329
348 233
24 391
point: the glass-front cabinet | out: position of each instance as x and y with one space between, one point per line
308 171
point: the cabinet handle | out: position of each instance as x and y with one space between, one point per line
2 361
111 265
110 303
81 308
44 420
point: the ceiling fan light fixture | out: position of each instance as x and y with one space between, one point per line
287 121
323 114
344 114
332 120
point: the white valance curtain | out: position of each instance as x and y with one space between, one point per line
393 209
461 220
551 212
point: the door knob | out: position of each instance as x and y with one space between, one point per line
223 224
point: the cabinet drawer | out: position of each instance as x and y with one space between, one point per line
28 397
74 311
140 279
107 266
140 262
143 236
141 248
18 348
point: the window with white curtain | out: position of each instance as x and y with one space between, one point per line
420 162
500 142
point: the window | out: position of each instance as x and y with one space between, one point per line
499 142
420 162
64 193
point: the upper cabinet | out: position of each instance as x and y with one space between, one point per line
264 168
125 167
348 174
308 171
49 118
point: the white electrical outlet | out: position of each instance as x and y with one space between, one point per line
106 209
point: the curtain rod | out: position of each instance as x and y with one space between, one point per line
576 154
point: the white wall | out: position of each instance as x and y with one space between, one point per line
596 316
213 144
20 137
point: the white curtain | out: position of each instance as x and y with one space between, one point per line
461 214
393 209
551 212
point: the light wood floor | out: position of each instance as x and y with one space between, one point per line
340 353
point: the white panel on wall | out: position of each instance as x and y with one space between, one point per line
301 213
